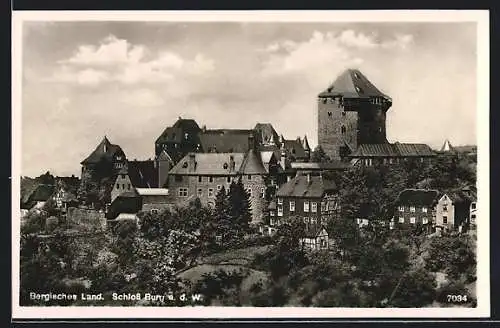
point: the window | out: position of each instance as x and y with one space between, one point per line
445 220
314 207
272 222
314 220
218 239
128 186
211 179
412 220
425 221
412 209
249 177
271 213
228 180
306 206
225 166
445 208
200 178
186 135
342 129
343 113
280 201
473 206
292 206
306 220
117 186
323 220
249 191
401 220
424 209
401 208
323 206
123 186
199 192
219 187
210 192
178 178
154 211
262 192
123 176
280 211
183 192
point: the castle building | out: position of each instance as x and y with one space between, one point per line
202 175
351 112
106 159
352 124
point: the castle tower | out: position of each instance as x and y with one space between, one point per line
165 163
352 111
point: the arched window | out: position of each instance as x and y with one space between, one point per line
342 129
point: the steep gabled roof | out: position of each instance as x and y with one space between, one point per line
226 140
252 164
266 133
104 151
209 164
175 132
418 197
300 187
294 148
42 193
143 174
352 84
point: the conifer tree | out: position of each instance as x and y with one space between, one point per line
239 206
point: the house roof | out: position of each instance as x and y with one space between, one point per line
252 164
313 230
164 156
266 133
463 195
226 140
143 174
174 133
294 148
418 197
104 151
71 182
152 191
393 150
126 202
42 193
209 164
466 149
300 187
314 166
352 84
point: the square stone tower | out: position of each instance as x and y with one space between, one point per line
351 112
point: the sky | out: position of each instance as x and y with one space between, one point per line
130 80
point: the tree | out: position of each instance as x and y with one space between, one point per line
239 207
415 289
319 156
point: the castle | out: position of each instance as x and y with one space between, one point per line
197 162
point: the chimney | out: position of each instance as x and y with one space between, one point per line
231 163
251 141
283 159
192 162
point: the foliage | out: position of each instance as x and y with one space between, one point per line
221 286
452 255
318 155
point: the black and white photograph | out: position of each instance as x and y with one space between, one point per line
277 164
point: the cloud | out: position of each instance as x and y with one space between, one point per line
116 60
402 41
143 98
350 38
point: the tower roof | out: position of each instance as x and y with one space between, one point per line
105 150
447 146
352 84
252 164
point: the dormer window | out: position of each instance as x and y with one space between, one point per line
186 135
324 100
225 166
